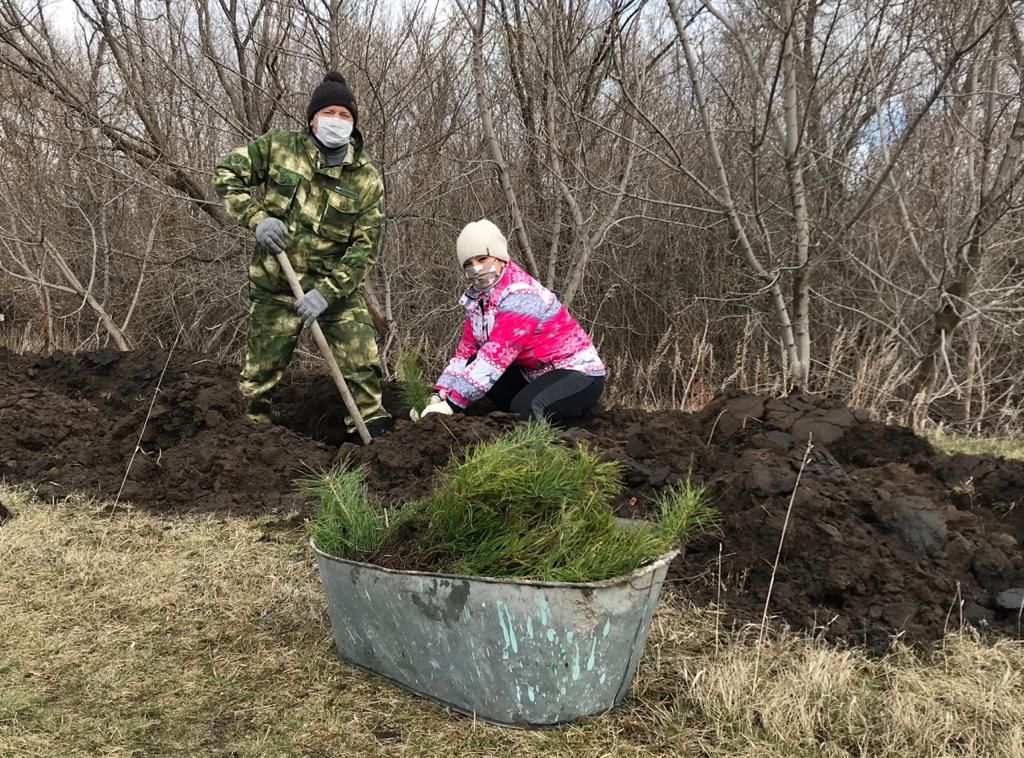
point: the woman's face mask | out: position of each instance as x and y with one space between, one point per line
481 276
333 131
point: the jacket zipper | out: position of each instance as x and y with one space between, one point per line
483 318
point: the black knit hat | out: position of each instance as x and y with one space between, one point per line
333 90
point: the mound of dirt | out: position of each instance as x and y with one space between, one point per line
74 422
882 536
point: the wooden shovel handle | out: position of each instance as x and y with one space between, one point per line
325 351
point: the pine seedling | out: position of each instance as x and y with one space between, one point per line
347 522
415 391
684 509
622 549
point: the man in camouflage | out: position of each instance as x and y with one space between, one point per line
324 206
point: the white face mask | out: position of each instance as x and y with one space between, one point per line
332 131
481 276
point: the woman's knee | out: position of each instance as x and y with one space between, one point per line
524 406
566 398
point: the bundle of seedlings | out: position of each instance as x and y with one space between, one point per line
523 506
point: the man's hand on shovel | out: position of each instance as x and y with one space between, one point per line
272 234
310 306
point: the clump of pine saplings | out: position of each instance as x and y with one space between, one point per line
523 505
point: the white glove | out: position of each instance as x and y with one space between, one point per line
434 405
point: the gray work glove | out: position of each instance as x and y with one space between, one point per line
272 234
310 306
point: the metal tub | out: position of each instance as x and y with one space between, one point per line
517 653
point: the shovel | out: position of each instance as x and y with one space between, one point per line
325 351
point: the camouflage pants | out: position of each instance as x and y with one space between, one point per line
274 328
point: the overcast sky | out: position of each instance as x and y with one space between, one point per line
62 13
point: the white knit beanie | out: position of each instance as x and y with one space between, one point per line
481 238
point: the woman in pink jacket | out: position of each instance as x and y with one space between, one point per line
520 347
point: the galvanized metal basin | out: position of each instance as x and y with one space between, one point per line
518 653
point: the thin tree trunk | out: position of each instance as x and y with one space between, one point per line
334 21
44 295
477 25
974 377
800 370
724 196
556 234
578 221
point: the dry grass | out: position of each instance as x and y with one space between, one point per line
139 636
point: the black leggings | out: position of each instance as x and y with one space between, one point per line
557 396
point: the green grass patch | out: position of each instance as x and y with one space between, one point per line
999 446
523 505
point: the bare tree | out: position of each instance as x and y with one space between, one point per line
996 184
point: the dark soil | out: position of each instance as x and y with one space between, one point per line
885 535
71 423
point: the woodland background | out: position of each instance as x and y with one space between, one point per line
751 194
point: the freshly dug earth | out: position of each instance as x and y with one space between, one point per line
72 422
885 535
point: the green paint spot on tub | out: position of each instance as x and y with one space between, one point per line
551 635
607 627
529 627
519 694
542 606
530 693
590 660
512 632
504 634
576 664
603 677
553 667
508 631
569 636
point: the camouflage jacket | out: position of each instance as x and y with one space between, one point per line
334 213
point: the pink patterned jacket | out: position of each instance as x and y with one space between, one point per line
520 323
